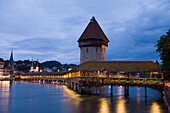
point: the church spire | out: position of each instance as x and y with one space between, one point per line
11 57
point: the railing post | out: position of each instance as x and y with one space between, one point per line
108 72
162 76
90 74
111 74
129 75
150 75
94 73
98 72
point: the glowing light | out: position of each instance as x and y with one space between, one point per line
138 95
71 94
155 108
104 107
4 91
155 72
121 106
121 72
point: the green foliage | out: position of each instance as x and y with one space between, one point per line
51 64
163 47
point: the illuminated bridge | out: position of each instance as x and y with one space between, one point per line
94 74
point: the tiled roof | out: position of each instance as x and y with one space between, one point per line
6 63
93 31
116 66
44 73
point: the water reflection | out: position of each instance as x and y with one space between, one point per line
73 96
120 92
155 108
121 106
138 95
4 94
104 107
45 98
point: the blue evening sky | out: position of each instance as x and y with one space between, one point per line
49 29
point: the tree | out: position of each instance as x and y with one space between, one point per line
163 47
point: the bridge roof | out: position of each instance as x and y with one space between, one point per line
117 66
44 73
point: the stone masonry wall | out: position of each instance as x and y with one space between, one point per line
92 54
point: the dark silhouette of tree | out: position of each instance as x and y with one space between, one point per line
157 62
163 47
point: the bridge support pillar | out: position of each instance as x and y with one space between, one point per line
89 89
76 87
111 90
126 90
96 90
145 91
72 85
79 89
82 89
69 84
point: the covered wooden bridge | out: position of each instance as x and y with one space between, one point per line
118 69
102 70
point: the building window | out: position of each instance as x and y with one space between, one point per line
96 49
87 49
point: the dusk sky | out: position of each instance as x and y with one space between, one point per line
49 29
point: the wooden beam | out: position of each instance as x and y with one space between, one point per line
111 74
129 75
94 73
150 75
108 74
162 75
98 72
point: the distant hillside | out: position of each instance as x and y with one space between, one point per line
50 64
26 64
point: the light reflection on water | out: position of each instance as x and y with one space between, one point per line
35 97
155 108
4 94
104 107
138 95
121 106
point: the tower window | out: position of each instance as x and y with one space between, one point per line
96 49
87 49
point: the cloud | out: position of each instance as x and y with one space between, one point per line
49 29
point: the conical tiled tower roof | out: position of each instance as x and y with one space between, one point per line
93 31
